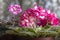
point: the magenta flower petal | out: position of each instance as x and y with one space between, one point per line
55 21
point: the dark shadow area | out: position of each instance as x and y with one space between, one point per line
15 37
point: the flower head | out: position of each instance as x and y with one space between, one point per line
15 9
38 16
45 16
27 18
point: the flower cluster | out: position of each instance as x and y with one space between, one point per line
15 9
45 16
38 16
27 18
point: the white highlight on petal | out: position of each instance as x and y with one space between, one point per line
42 17
49 11
43 10
37 14
35 7
51 22
14 13
55 15
26 20
11 9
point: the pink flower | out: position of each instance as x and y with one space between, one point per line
38 16
27 19
52 19
40 12
15 9
55 21
45 16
